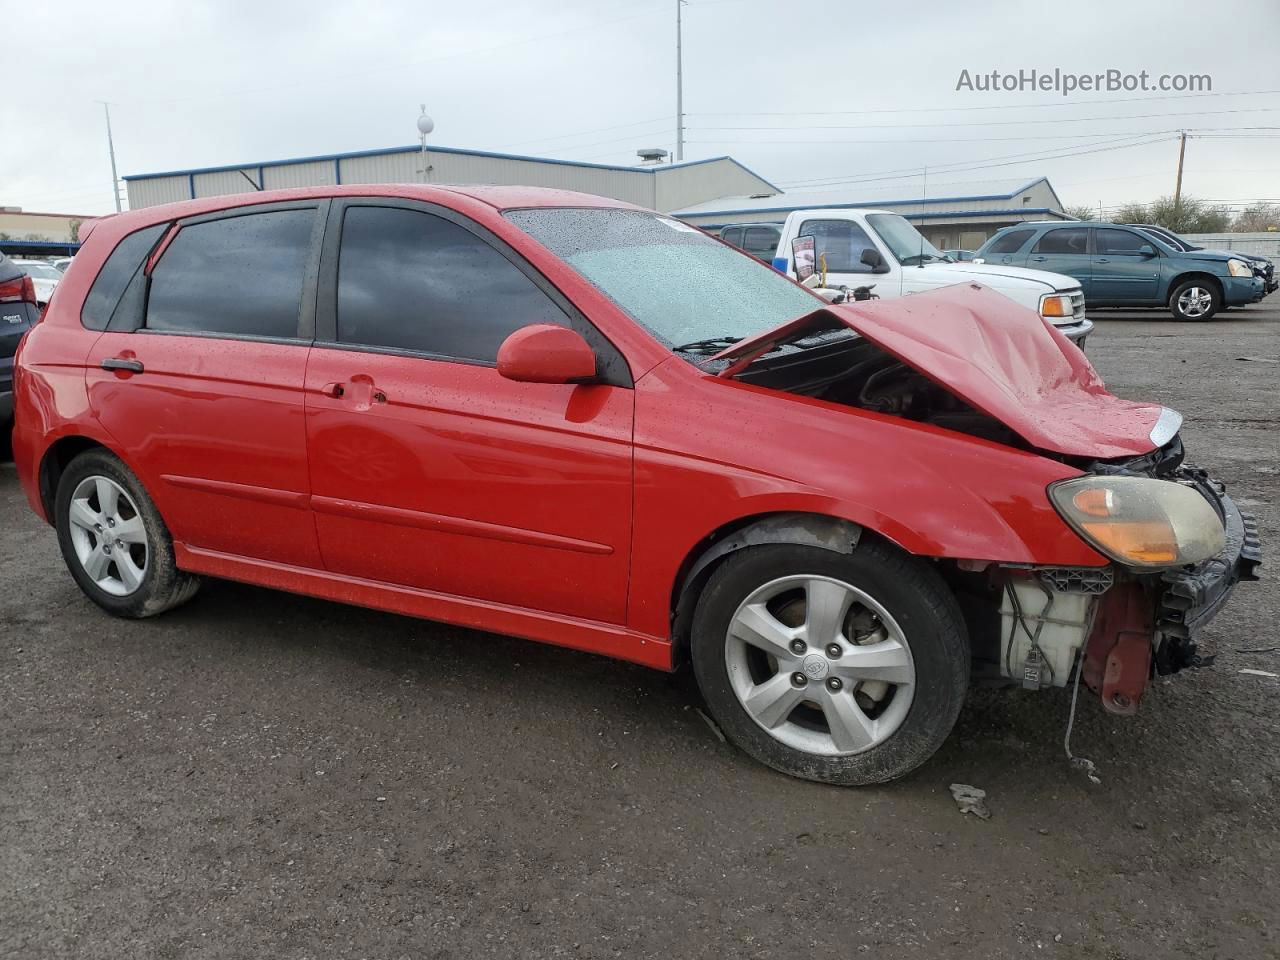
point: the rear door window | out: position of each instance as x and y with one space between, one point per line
409 280
238 276
1073 240
842 241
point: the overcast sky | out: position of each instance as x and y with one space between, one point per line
861 91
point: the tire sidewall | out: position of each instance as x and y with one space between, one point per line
1214 307
159 547
912 593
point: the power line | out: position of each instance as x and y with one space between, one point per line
954 166
1003 106
998 123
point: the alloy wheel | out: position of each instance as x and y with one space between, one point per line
108 535
1195 302
820 665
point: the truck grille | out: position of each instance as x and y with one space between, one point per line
1077 305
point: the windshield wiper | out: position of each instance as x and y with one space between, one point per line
707 347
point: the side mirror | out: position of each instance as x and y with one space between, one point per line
1147 250
543 353
872 258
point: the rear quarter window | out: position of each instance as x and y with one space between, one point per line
125 261
1010 242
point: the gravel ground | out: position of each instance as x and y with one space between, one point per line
263 775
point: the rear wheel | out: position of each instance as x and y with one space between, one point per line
1195 300
113 540
846 669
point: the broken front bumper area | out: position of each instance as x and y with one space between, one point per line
1191 597
1148 623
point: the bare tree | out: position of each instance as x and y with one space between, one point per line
1258 218
1081 212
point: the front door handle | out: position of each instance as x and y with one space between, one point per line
1102 260
334 390
1039 259
121 363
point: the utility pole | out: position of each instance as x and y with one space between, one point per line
1182 152
111 149
679 84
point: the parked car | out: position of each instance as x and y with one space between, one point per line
959 256
43 274
881 247
62 263
1262 266
18 314
1120 266
758 239
563 417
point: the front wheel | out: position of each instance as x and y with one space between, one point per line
841 668
1195 300
113 540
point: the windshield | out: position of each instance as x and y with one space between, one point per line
907 244
42 271
676 282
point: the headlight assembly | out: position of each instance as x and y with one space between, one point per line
1238 268
1141 522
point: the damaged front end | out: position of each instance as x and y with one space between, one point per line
1120 624
967 360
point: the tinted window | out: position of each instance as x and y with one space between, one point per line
1120 242
1072 240
241 275
418 282
842 241
1010 242
762 242
115 275
732 235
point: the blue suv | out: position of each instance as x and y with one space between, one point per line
1120 266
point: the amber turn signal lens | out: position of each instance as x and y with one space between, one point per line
1150 544
1055 307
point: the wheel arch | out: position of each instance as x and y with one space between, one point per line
54 463
782 527
1200 276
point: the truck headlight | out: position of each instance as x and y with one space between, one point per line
1141 522
1238 268
1056 305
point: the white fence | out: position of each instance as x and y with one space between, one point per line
1261 244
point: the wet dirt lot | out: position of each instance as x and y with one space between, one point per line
263 775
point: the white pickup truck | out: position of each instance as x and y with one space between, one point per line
862 247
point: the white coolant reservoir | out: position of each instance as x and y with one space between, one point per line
1042 630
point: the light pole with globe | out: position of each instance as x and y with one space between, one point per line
425 126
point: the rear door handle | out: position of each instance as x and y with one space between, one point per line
1102 260
334 390
120 363
1039 259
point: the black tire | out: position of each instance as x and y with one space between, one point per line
1207 287
163 586
908 589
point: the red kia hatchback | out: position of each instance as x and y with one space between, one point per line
562 417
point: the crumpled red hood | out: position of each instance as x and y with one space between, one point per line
997 356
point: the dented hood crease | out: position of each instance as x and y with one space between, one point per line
995 355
